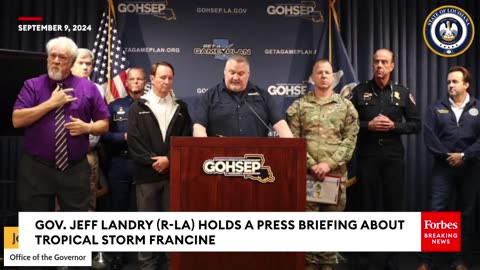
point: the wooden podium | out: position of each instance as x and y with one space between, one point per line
192 189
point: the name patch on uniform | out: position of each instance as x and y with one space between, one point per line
367 96
442 111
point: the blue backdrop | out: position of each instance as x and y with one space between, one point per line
279 37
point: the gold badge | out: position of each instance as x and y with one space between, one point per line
396 95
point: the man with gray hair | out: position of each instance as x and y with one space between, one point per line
83 68
57 110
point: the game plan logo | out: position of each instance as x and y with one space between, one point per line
441 232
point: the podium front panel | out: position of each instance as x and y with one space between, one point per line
193 189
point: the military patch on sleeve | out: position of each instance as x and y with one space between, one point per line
412 99
290 110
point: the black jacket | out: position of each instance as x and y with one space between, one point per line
145 138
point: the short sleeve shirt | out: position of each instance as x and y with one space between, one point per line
39 140
224 113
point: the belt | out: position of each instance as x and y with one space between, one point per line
381 142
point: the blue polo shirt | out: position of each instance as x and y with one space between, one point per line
225 113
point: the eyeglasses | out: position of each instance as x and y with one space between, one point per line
61 58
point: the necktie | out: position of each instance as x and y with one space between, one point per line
61 152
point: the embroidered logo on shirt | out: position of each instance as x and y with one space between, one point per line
473 112
144 112
254 94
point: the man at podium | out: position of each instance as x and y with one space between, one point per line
238 108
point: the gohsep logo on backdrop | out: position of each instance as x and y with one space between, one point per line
157 9
287 89
441 231
305 10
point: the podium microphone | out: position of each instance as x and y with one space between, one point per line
270 130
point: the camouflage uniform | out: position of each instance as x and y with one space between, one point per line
330 126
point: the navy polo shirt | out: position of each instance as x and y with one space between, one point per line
225 113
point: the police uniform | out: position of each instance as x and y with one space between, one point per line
120 168
330 126
380 164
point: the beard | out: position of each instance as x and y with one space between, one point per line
55 74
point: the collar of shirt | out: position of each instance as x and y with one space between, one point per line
152 98
375 86
323 100
458 109
249 87
452 103
66 83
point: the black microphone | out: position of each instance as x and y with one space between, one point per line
270 130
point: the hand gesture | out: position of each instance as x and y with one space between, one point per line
381 123
60 97
77 126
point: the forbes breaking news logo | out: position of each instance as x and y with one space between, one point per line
448 31
250 166
157 9
441 232
222 49
305 10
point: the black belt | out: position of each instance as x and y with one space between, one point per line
382 142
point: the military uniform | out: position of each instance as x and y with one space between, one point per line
330 126
380 164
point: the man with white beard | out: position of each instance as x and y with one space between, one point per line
58 112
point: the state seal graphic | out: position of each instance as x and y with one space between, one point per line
448 31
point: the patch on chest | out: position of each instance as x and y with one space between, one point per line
473 112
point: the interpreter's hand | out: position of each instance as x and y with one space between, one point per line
77 126
320 170
455 160
381 123
60 97
161 163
